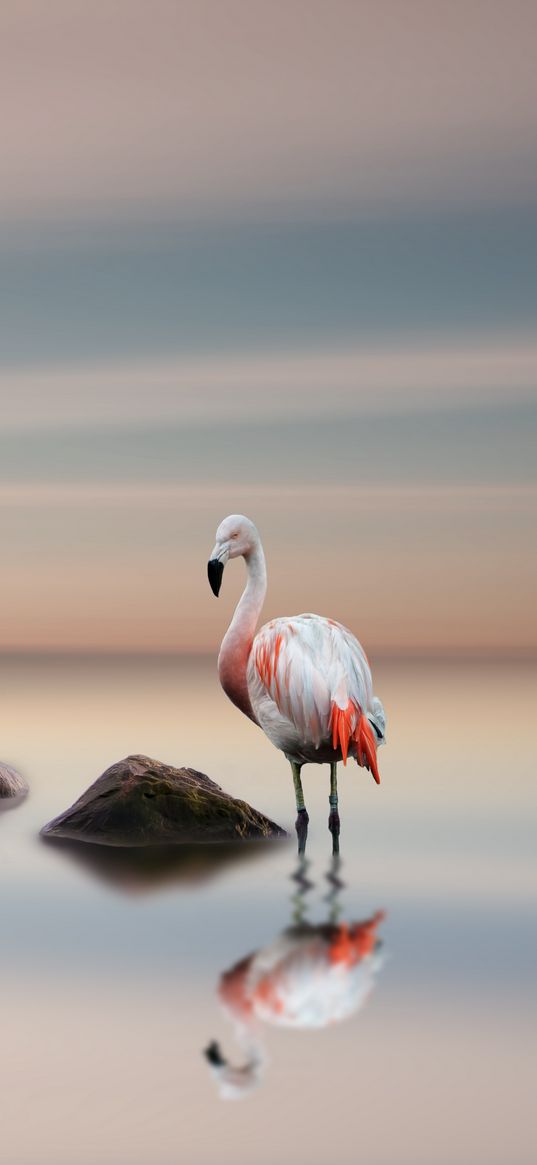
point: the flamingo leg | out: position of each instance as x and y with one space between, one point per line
302 820
333 820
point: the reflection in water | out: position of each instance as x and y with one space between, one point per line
308 977
135 869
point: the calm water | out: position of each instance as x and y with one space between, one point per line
110 979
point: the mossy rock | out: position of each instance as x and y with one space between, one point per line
139 801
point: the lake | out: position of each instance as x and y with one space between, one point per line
110 973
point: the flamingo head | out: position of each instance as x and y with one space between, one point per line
236 536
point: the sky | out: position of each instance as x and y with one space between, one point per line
274 259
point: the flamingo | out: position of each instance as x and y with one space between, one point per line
305 679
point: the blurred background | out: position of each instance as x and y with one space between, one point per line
274 259
278 259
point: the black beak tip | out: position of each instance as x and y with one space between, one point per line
215 570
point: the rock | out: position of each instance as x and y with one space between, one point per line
142 802
12 784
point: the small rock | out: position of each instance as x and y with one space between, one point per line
139 801
12 784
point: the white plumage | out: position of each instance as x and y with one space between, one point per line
298 670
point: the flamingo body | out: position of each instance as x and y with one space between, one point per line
311 690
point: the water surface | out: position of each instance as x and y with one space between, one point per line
110 977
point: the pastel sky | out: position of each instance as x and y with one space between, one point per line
275 259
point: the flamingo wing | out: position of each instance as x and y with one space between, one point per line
314 672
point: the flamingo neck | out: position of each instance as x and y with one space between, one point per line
237 642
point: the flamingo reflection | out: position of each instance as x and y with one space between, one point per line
310 976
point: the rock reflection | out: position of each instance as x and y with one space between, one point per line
308 977
139 869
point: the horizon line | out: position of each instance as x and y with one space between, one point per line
436 653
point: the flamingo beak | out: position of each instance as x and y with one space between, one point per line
215 570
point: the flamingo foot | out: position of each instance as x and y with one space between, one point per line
301 826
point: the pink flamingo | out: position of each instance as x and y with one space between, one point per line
305 680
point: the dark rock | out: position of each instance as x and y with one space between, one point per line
142 802
12 784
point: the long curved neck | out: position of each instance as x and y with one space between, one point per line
237 642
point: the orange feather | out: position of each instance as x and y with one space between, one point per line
350 724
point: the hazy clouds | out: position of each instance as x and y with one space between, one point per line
274 258
242 106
